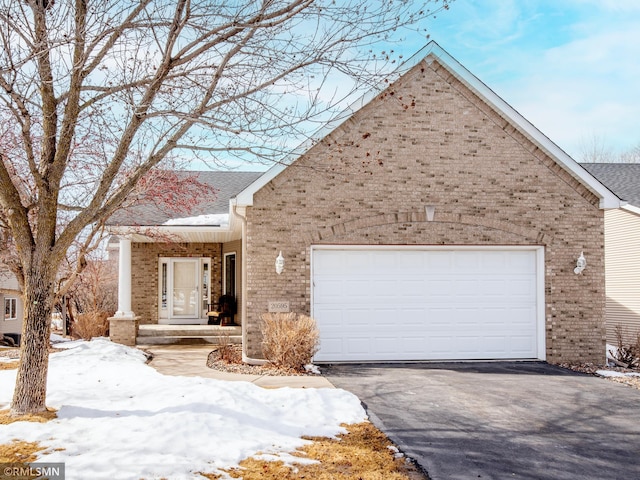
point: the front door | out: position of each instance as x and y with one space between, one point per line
183 293
185 300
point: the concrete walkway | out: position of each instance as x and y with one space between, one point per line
191 361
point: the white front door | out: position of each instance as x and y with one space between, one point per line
183 290
185 301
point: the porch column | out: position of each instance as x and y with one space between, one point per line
123 326
124 280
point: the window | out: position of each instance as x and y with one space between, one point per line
10 308
230 274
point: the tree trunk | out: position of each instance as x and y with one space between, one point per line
31 382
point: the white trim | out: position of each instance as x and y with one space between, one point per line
607 198
178 233
631 208
13 300
541 350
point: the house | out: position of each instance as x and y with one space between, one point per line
433 222
622 248
11 298
174 268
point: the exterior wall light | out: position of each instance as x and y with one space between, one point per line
279 263
581 264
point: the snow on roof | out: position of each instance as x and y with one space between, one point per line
213 219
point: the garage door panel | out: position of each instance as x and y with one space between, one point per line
408 304
413 345
467 261
442 346
520 344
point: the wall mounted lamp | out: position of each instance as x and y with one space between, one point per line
581 264
279 263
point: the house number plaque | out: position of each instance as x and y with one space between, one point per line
278 306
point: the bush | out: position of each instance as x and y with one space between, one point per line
91 324
227 351
627 353
289 340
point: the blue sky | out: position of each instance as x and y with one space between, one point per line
571 67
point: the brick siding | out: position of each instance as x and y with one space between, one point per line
428 140
144 275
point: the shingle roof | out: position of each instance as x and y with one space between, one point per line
224 186
623 179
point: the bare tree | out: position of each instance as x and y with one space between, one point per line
595 150
95 93
631 156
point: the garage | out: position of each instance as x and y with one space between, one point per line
428 303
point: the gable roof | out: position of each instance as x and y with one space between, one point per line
433 52
225 185
623 179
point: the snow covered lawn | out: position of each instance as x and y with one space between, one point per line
120 419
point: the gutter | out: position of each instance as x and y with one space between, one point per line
631 208
243 305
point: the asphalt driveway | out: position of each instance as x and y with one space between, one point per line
501 420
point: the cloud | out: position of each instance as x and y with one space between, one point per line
571 67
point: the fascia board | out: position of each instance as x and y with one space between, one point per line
631 208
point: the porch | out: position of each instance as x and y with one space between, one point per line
188 334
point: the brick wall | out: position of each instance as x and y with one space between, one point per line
144 275
428 140
123 331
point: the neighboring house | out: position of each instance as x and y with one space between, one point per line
434 222
11 299
622 248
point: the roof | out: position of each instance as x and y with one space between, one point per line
433 52
623 179
224 186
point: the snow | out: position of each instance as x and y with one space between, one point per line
221 219
56 339
614 373
118 418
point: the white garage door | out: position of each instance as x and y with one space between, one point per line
427 304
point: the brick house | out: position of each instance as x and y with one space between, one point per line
622 248
434 222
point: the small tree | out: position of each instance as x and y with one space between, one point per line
95 94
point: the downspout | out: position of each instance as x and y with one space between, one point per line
243 305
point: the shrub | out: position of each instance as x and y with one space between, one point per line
227 351
91 324
289 340
628 352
